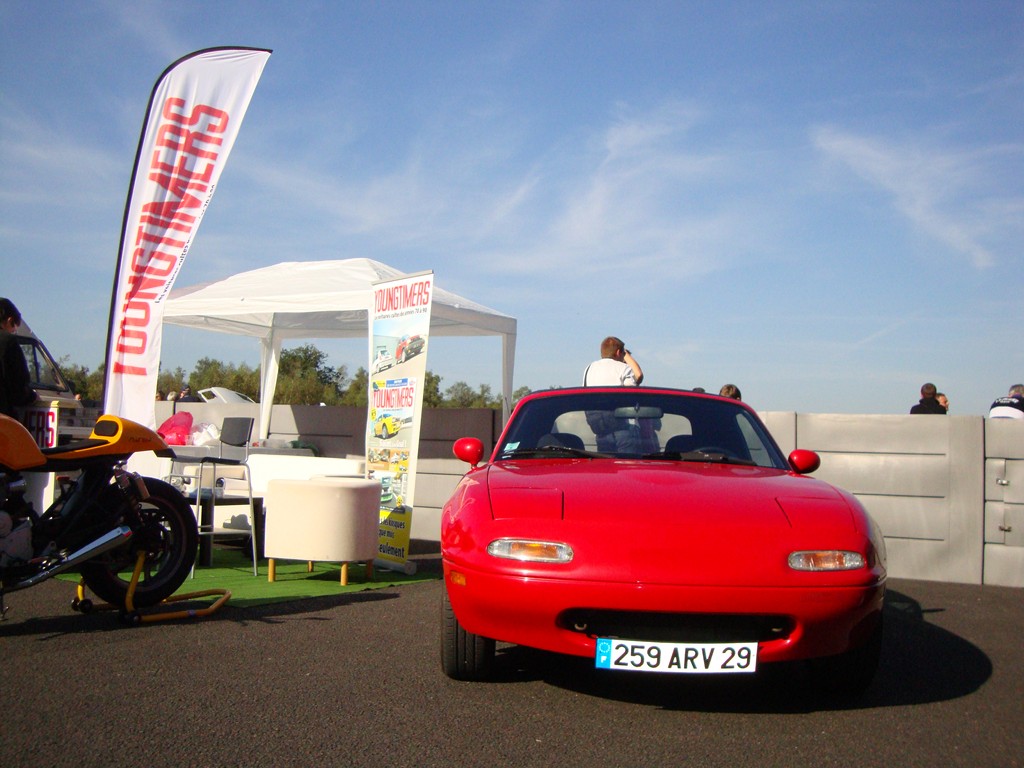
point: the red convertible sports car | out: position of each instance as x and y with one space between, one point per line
657 530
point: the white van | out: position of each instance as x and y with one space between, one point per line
56 417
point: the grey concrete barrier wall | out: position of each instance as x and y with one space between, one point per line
1004 502
920 478
948 492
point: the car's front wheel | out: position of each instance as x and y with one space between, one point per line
849 674
464 656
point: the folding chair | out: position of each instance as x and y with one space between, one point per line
214 475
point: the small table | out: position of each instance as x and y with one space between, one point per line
206 519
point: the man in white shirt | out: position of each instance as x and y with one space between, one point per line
616 368
1011 406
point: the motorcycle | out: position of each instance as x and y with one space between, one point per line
102 519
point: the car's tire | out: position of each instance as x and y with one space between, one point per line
849 674
464 656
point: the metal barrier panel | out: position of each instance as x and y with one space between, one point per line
1004 502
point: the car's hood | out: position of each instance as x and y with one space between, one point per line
603 492
655 516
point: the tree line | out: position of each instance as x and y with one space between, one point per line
304 378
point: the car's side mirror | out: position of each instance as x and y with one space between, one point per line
803 461
469 449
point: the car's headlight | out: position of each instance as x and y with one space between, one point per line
530 550
826 560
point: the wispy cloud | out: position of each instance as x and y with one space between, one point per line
633 192
150 25
34 151
950 195
887 330
630 191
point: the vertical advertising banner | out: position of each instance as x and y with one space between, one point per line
193 117
399 325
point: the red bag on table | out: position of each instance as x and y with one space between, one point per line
177 429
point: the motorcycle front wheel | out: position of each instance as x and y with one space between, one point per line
167 534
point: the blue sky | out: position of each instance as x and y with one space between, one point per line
821 202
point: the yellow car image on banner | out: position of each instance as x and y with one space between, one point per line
399 328
386 425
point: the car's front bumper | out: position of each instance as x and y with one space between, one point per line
812 621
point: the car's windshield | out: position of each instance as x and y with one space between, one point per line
634 423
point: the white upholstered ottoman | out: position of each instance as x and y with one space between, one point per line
326 519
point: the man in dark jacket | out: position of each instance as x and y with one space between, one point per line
928 403
14 379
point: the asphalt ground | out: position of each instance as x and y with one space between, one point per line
355 680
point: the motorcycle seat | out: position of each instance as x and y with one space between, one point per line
76 445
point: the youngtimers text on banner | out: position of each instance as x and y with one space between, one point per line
193 118
399 326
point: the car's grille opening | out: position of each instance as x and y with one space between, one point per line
676 627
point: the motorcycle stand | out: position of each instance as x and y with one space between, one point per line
131 615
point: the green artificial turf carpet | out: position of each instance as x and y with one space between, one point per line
232 571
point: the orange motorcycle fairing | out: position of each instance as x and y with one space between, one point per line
113 436
18 449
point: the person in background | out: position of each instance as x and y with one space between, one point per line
1009 407
15 389
730 390
616 368
186 396
943 400
928 403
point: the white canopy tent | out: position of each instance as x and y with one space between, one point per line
321 299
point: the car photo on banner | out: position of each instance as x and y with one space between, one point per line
382 361
658 531
386 426
409 346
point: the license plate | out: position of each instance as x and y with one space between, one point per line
682 658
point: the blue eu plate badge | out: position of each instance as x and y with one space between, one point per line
603 659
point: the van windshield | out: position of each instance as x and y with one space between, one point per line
42 369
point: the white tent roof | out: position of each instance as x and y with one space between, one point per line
320 299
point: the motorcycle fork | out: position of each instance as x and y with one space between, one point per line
78 511
133 488
132 485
